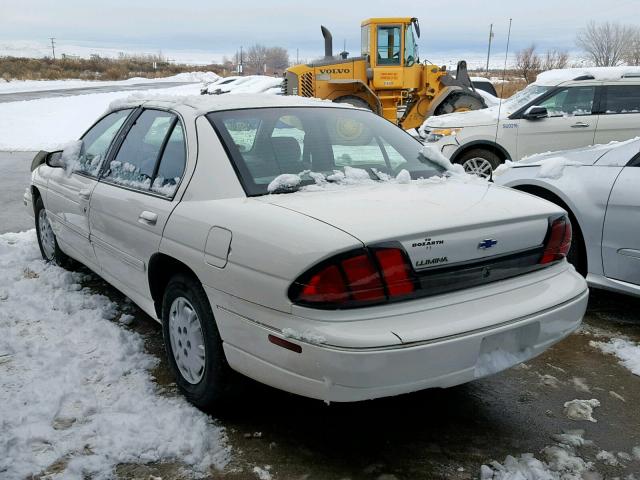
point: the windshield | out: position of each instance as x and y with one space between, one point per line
265 143
520 99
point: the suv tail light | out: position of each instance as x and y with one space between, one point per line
558 241
357 278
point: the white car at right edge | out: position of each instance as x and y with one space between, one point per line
562 109
309 245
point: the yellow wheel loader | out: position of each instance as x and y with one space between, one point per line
387 78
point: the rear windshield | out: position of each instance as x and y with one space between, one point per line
265 143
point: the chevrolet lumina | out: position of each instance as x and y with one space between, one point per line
307 245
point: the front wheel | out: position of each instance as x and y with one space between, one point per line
46 238
460 101
193 344
479 162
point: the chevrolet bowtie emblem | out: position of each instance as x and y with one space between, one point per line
487 243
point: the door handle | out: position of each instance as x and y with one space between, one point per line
580 125
148 218
84 194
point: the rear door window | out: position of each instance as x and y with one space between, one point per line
621 99
152 155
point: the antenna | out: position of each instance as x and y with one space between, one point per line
504 74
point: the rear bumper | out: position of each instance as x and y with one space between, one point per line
343 373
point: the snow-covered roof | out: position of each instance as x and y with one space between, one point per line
554 77
210 103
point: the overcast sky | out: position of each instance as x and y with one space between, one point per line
221 27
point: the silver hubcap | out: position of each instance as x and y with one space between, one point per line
478 166
47 239
187 342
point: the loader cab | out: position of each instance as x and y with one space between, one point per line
389 47
392 39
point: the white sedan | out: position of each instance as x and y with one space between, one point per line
598 187
307 245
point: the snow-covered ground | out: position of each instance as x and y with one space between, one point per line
15 86
76 394
50 122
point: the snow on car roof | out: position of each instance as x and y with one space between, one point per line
211 103
554 77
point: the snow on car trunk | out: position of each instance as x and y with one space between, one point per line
75 390
433 220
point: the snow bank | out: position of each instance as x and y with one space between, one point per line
554 77
49 123
16 86
627 352
75 387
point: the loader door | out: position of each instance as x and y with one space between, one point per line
387 57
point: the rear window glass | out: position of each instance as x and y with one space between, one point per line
267 142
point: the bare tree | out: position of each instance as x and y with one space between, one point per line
555 59
260 58
632 55
528 63
605 43
277 58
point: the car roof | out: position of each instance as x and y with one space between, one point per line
601 74
201 104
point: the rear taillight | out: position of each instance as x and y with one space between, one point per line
358 278
558 241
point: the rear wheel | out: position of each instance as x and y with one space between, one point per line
459 102
353 100
479 162
47 239
193 344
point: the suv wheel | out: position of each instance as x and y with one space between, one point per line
479 162
193 344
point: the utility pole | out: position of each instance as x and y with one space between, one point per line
297 52
53 46
489 50
240 64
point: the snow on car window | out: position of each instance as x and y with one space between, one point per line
95 143
291 140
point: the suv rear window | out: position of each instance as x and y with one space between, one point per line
622 99
267 142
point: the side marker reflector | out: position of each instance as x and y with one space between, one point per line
281 342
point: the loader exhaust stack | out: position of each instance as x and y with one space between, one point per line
328 42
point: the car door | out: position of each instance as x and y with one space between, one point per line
70 188
619 113
571 122
621 234
134 198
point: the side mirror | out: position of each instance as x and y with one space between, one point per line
535 113
55 160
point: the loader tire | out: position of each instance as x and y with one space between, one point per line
460 102
353 100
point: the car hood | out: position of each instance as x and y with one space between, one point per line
472 118
585 155
457 213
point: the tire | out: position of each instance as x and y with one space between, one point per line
479 162
353 100
47 241
205 380
460 102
